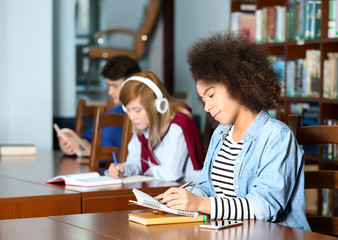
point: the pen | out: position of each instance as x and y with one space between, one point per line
115 161
185 185
182 186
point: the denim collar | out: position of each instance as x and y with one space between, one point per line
254 129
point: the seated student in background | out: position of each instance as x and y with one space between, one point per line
166 143
116 70
254 167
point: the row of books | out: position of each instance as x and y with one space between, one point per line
303 75
330 76
330 151
304 19
268 24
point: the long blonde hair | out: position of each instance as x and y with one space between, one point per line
158 123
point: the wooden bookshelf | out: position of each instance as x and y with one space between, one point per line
291 50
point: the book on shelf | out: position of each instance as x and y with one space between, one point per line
330 76
280 23
312 86
279 65
270 24
299 74
259 26
331 25
158 217
92 179
244 23
292 8
80 147
290 78
145 200
300 21
17 150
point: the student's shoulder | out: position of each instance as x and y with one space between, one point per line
277 125
115 109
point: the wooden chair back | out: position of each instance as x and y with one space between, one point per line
97 151
320 134
83 111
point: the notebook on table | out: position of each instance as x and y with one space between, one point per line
145 200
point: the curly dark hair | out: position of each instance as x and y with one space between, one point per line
241 66
120 66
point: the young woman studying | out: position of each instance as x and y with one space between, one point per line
166 143
254 167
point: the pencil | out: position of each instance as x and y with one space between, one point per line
182 186
185 185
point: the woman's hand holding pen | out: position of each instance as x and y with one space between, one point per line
182 199
114 170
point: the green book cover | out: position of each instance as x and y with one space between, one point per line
307 19
291 23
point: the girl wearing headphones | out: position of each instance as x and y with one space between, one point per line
166 143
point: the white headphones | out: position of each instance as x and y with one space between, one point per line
161 103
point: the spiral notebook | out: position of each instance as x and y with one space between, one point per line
145 200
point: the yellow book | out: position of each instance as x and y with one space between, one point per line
154 218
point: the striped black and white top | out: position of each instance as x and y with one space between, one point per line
226 205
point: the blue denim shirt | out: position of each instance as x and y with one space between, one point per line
269 171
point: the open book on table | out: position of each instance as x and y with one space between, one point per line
145 200
89 179
92 179
80 147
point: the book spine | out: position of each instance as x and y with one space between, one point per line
271 23
301 19
318 17
307 20
336 17
291 22
332 19
298 77
264 24
259 37
290 78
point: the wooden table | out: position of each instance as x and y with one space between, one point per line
21 199
44 228
47 164
117 226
